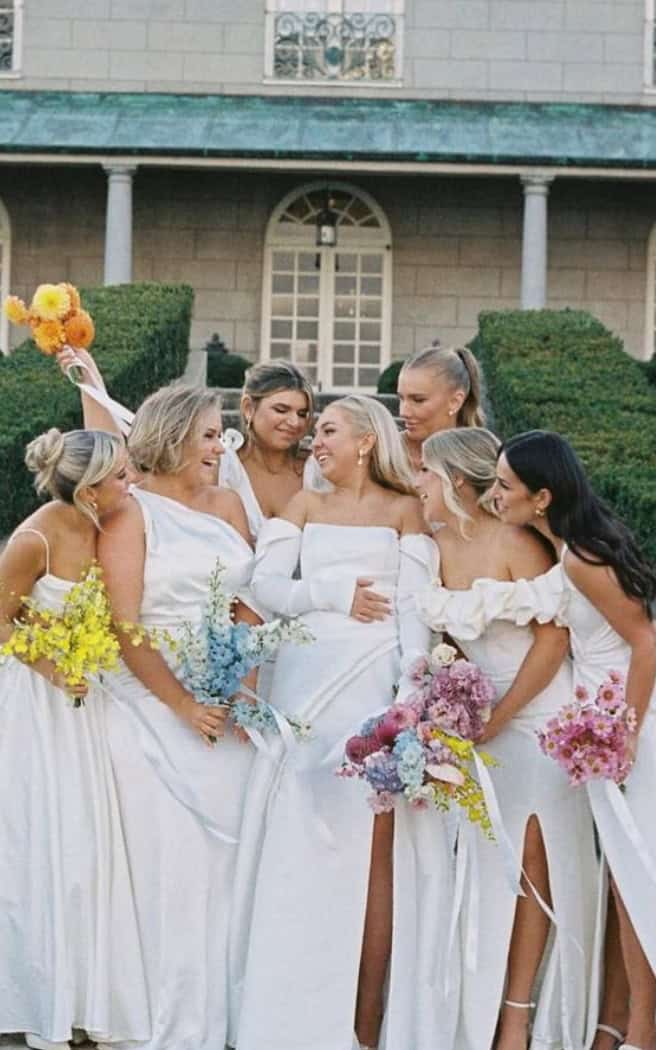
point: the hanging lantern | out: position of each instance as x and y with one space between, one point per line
327 225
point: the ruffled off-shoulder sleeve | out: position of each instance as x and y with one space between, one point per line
467 614
276 559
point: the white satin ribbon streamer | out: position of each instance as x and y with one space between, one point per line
627 822
121 415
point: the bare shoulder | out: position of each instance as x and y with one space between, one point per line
525 553
410 516
126 519
303 506
593 578
227 505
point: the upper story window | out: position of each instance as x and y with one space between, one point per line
11 26
335 41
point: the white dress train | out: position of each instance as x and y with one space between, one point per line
304 855
526 783
181 801
625 821
69 944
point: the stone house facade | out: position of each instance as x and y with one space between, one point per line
464 155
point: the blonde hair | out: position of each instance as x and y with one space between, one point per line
63 464
388 463
271 377
460 369
163 424
471 453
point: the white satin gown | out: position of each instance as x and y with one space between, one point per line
181 801
526 783
70 951
305 847
625 821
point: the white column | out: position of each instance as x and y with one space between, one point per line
534 242
118 224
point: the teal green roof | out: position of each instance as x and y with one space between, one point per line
322 128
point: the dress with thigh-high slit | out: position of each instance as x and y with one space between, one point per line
304 858
526 784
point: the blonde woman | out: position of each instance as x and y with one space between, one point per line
70 953
549 826
181 798
334 914
439 388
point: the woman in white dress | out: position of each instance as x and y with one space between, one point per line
504 937
603 589
70 953
342 898
267 470
439 388
181 799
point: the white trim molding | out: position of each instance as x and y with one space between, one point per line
649 43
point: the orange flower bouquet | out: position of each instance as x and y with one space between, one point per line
55 316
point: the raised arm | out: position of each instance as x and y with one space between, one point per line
94 415
122 554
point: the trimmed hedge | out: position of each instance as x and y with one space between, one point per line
389 378
142 342
226 370
564 371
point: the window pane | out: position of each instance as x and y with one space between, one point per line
307 329
346 263
307 262
370 308
343 376
346 285
308 308
344 330
372 264
344 353
283 282
280 349
283 260
369 355
371 286
345 307
368 376
307 283
370 331
282 306
281 329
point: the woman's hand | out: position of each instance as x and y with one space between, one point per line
368 606
76 691
208 722
68 357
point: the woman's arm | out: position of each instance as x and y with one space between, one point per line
527 558
22 562
628 617
122 554
94 416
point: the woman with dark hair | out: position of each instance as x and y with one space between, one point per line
602 590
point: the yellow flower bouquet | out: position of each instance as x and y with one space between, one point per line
55 317
79 638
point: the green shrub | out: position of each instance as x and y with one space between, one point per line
142 340
650 369
389 377
226 370
562 370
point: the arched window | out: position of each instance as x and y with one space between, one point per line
5 259
328 308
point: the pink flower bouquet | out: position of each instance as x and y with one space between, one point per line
422 749
591 739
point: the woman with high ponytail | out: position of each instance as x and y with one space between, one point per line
439 388
70 955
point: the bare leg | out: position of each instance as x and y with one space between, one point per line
377 940
529 937
615 1002
641 1030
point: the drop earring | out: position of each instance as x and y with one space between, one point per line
360 457
539 513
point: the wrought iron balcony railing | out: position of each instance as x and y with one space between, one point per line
335 47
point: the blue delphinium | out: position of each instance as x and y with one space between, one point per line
411 760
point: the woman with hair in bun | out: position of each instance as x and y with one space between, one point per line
603 589
181 775
70 950
343 897
439 388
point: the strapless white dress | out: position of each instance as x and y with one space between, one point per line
306 838
598 649
181 801
70 952
526 783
